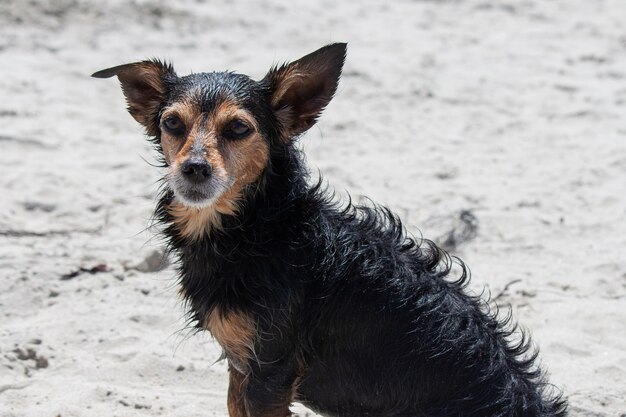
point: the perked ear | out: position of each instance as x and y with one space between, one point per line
302 89
145 86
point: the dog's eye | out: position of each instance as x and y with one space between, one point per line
174 125
237 130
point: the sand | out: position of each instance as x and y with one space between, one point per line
507 114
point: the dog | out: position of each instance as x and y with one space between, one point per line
331 305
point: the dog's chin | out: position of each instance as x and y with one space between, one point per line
195 199
198 196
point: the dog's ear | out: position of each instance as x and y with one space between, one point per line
300 90
145 87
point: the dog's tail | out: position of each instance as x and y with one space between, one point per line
525 391
525 385
503 378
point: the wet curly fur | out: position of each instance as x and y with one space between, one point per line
352 316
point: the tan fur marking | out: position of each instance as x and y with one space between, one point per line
245 159
236 394
172 145
192 222
234 332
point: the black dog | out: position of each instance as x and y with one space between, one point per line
332 306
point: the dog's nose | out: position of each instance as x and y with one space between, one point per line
196 170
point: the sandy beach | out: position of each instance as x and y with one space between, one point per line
497 128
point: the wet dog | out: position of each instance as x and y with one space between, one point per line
330 305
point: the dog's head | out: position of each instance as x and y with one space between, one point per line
217 130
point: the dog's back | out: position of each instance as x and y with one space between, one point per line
390 331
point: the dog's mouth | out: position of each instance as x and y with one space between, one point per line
198 195
194 196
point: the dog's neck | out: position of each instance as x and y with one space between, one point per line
215 266
195 223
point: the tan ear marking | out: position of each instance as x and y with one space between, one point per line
144 87
302 89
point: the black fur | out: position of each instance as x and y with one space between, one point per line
363 318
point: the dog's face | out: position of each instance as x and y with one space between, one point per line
217 130
213 136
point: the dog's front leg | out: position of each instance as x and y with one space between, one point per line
236 393
263 394
267 391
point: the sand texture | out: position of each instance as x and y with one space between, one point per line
496 127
